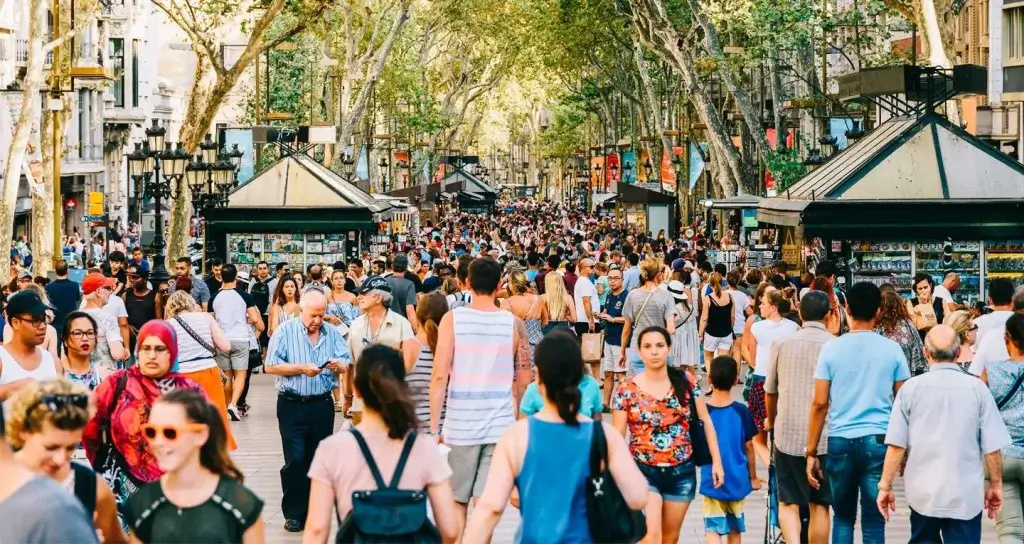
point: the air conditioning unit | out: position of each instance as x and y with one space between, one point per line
999 122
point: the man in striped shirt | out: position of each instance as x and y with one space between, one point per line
304 356
482 367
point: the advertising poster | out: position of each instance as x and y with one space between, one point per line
642 166
668 171
612 170
696 162
790 137
596 170
629 167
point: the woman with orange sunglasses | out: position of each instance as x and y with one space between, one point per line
113 439
200 497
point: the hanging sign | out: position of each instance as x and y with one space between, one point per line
95 203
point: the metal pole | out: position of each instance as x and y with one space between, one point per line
159 269
57 125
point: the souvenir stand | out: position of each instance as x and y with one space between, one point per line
758 244
916 194
296 211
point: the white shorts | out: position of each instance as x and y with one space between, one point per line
610 361
714 343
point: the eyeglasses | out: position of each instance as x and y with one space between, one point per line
618 278
56 403
170 432
159 350
78 335
34 321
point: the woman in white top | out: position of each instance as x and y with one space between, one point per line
773 326
198 335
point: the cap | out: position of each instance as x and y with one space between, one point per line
678 264
375 283
26 302
93 282
432 284
677 289
25 274
138 271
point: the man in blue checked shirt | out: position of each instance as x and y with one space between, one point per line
306 358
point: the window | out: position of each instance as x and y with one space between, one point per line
1013 34
135 73
116 53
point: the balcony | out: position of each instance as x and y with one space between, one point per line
82 159
21 51
112 10
998 122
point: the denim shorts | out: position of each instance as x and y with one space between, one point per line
674 484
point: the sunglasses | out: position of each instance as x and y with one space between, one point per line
56 403
170 432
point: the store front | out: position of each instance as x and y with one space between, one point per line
650 211
296 211
914 195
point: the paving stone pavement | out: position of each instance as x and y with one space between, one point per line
260 459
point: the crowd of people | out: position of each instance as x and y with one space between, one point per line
508 359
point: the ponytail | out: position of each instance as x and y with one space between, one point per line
380 380
716 283
681 386
560 368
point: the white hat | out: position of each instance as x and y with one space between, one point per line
677 289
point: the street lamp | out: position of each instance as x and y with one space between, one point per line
158 173
814 160
383 164
348 167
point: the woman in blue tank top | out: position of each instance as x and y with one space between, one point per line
547 458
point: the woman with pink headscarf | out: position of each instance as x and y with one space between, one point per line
113 439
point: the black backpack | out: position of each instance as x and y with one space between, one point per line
387 514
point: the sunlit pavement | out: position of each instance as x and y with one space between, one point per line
259 456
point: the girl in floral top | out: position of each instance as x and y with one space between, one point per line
655 407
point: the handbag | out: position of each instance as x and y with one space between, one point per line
637 315
388 514
592 346
195 336
609 518
700 453
108 462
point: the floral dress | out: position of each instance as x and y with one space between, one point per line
346 311
659 428
90 378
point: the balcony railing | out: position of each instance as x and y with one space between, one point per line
21 50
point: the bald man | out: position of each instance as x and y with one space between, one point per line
305 357
949 421
944 291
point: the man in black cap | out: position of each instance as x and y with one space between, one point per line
140 302
403 291
22 360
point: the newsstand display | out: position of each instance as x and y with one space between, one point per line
964 258
883 262
1004 259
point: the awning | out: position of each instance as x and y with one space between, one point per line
298 181
600 199
738 202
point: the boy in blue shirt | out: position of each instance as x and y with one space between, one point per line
590 398
735 429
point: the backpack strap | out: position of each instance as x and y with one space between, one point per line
400 467
85 486
369 458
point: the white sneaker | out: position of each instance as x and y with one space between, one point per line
233 413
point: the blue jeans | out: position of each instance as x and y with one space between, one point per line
855 464
927 529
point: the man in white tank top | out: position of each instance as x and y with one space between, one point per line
22 361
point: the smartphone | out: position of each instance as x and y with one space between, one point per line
324 364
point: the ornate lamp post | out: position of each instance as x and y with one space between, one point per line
211 176
158 173
385 185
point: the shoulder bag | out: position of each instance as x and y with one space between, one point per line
609 518
1013 391
700 453
387 514
637 315
195 336
109 463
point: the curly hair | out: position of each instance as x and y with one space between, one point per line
28 416
892 312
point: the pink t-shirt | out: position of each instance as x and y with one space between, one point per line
339 464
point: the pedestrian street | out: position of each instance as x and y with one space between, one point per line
259 456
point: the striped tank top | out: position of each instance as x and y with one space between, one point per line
480 405
418 380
